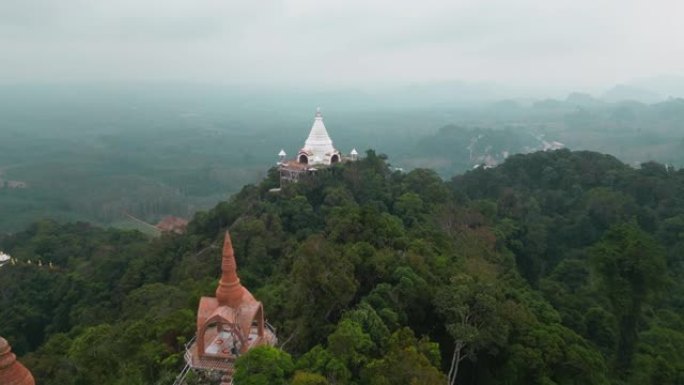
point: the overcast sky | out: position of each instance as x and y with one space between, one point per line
579 43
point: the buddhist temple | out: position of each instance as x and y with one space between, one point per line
318 152
318 148
229 324
12 372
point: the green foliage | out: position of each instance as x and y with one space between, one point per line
549 269
350 344
603 265
263 365
552 354
658 359
305 378
631 267
320 360
324 285
472 312
406 362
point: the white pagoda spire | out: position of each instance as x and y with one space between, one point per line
318 145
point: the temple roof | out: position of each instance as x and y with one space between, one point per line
318 144
12 372
172 224
233 303
229 324
210 311
231 296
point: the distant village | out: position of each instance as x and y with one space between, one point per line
488 159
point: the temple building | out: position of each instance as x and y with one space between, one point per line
318 148
12 372
318 152
229 324
171 224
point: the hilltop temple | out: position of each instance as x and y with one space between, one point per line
318 151
229 324
12 372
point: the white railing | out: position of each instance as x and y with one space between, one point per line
181 376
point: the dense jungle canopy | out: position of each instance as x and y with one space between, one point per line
553 268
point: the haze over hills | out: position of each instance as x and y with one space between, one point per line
97 152
513 211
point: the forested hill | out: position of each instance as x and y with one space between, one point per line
552 268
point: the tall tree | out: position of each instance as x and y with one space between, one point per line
631 267
471 309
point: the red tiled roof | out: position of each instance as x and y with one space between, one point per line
172 224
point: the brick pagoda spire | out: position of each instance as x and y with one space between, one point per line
228 325
229 291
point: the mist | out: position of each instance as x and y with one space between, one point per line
168 107
524 48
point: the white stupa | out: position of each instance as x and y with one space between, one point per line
318 147
281 156
4 258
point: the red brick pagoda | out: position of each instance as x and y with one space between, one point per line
12 372
227 325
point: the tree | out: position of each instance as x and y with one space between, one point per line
93 356
263 365
371 323
319 360
350 344
659 358
631 267
306 378
548 353
408 362
324 284
471 312
410 207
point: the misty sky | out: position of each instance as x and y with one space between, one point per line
579 43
